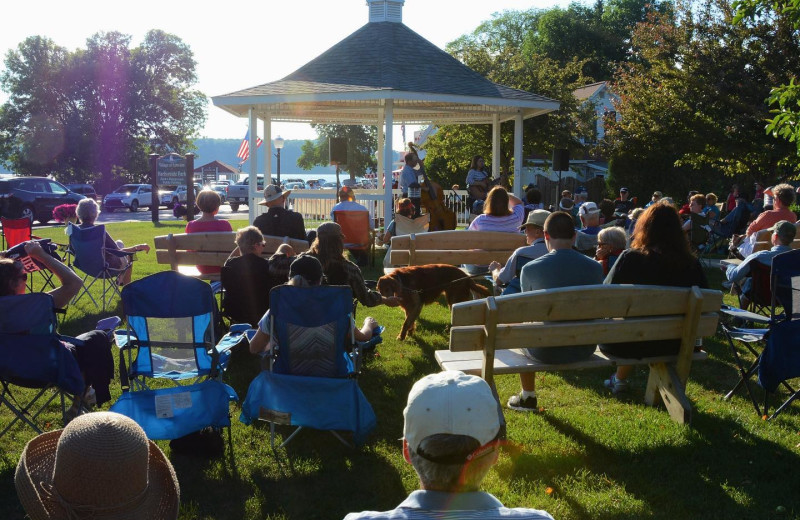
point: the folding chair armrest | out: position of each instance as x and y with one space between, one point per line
230 340
121 339
120 253
745 315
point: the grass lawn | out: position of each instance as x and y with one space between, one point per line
587 455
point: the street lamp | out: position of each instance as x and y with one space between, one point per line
278 142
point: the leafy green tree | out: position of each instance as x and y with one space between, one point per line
362 141
96 113
783 99
691 102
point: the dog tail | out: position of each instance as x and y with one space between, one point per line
478 288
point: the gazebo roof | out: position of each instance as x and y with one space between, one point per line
352 80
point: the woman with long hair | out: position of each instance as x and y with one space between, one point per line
328 248
502 211
659 255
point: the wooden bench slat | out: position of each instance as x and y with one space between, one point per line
562 334
455 240
445 256
184 251
575 303
513 361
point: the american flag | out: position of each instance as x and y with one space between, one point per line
244 148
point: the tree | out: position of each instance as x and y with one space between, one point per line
784 99
362 141
691 102
495 50
98 112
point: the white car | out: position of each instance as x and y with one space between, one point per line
170 198
129 196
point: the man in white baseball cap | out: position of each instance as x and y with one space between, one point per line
452 422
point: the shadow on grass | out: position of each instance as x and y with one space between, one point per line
705 477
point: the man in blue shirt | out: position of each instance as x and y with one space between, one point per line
450 437
783 234
561 267
408 175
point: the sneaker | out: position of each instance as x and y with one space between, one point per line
615 385
529 404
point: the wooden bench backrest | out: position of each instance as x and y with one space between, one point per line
764 240
211 248
454 247
583 315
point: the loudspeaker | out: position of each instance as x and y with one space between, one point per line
337 150
560 160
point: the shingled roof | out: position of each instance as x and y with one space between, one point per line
352 79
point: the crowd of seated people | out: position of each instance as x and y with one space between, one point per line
652 250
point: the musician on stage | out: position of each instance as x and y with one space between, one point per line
478 182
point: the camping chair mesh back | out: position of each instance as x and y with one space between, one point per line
312 378
89 256
355 227
32 356
170 326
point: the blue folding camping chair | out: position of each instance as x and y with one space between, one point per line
780 360
33 357
88 247
170 336
773 335
312 376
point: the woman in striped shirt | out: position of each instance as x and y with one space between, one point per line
501 212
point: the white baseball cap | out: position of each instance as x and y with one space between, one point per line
588 208
450 402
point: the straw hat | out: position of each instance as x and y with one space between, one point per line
100 466
273 192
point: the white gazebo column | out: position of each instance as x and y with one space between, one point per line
267 133
381 171
387 162
253 181
496 146
518 155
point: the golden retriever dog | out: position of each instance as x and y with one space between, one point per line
422 284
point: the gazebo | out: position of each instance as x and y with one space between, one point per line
371 78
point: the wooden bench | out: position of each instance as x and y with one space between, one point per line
764 240
486 334
454 247
184 251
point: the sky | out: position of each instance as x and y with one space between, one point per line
239 44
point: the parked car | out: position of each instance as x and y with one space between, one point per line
295 185
87 190
129 196
237 193
222 190
170 198
33 197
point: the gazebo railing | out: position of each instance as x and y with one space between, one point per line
316 205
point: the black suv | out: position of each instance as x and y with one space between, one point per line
33 197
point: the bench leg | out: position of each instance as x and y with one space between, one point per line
663 384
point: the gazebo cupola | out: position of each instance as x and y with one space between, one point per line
386 10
